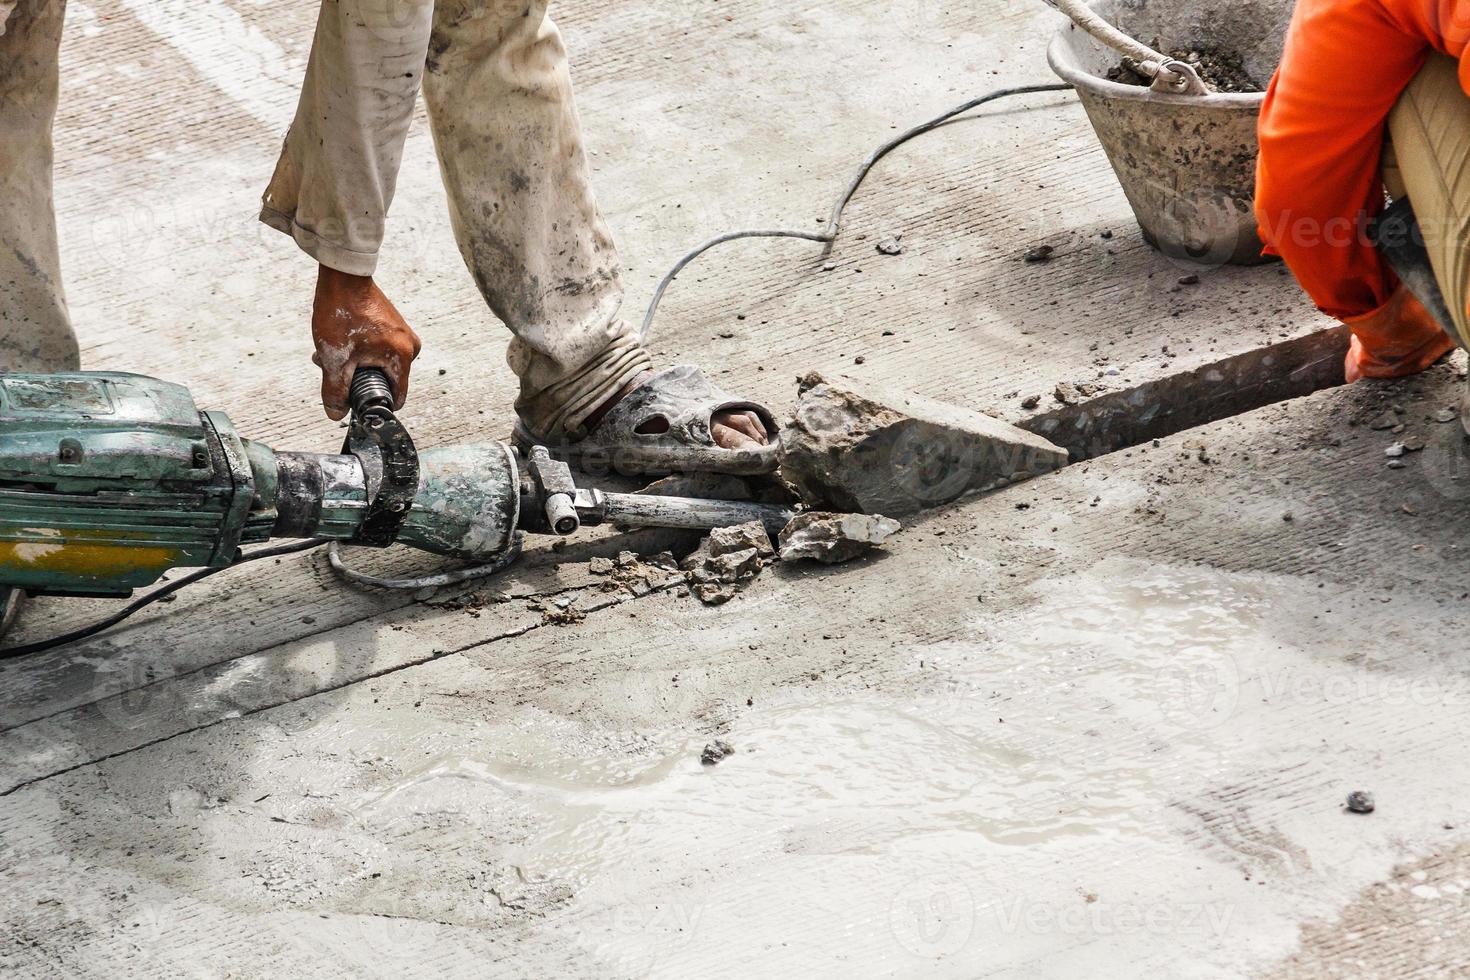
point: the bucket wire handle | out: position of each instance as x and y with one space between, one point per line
1168 74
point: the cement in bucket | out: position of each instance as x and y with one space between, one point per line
1186 163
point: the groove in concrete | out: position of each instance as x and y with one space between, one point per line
1222 389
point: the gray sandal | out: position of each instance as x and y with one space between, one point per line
683 398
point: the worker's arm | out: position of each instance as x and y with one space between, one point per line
1321 144
336 176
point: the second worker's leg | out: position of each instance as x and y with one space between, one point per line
1430 128
35 331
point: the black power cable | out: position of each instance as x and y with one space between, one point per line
828 236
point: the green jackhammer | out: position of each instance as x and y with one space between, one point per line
109 480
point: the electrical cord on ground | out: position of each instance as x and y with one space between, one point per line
436 581
829 236
160 593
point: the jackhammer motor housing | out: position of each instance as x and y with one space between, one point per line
108 480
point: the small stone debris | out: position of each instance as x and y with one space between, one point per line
726 560
1039 253
558 614
1030 402
633 574
890 246
740 537
1446 415
1413 444
1360 801
834 538
1395 451
1396 464
1066 393
1189 280
716 752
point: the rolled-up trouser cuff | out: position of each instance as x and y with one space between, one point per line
560 411
327 253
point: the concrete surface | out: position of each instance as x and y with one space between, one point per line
1098 724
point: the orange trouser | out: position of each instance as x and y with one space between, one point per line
1319 180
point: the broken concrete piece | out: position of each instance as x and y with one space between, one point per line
1361 801
1395 451
725 561
732 566
724 540
834 538
715 752
714 593
633 574
890 246
855 448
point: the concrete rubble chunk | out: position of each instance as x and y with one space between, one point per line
858 449
1066 393
726 560
716 752
724 540
834 538
714 593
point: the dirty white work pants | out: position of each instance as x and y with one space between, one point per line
35 334
495 79
494 76
1428 159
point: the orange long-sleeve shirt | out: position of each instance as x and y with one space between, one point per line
1322 126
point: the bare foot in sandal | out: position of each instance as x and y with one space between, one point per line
735 429
671 421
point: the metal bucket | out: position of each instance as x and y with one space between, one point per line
1186 162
